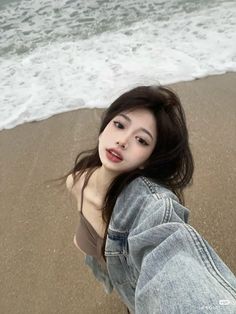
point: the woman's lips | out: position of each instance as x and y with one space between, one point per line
112 157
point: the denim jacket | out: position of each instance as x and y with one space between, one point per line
156 261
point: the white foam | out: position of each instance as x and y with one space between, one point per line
60 77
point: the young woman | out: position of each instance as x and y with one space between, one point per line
133 224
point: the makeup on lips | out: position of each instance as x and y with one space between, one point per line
111 156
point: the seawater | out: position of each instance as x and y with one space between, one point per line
57 56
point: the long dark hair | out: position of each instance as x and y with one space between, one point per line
170 164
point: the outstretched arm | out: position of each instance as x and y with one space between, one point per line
183 274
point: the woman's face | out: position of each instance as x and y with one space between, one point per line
133 134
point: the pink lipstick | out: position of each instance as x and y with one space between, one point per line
113 156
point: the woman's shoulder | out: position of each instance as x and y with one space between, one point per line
143 186
69 182
75 186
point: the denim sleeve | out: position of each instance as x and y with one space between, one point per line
181 273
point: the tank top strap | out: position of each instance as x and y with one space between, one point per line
82 191
81 202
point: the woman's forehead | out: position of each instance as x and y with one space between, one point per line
141 115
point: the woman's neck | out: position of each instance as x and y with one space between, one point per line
102 178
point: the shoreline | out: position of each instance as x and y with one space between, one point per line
169 84
40 264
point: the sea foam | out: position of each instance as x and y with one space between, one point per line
61 76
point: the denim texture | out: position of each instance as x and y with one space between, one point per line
157 262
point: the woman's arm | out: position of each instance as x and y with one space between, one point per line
183 274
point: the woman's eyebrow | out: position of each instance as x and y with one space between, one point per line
128 119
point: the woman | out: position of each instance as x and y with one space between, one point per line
133 224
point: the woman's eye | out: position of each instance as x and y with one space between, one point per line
143 142
118 124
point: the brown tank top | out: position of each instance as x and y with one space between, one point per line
87 238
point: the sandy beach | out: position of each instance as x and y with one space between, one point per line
41 271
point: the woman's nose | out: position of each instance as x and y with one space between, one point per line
123 143
124 140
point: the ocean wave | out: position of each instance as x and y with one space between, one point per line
63 75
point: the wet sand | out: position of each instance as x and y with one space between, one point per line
41 271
